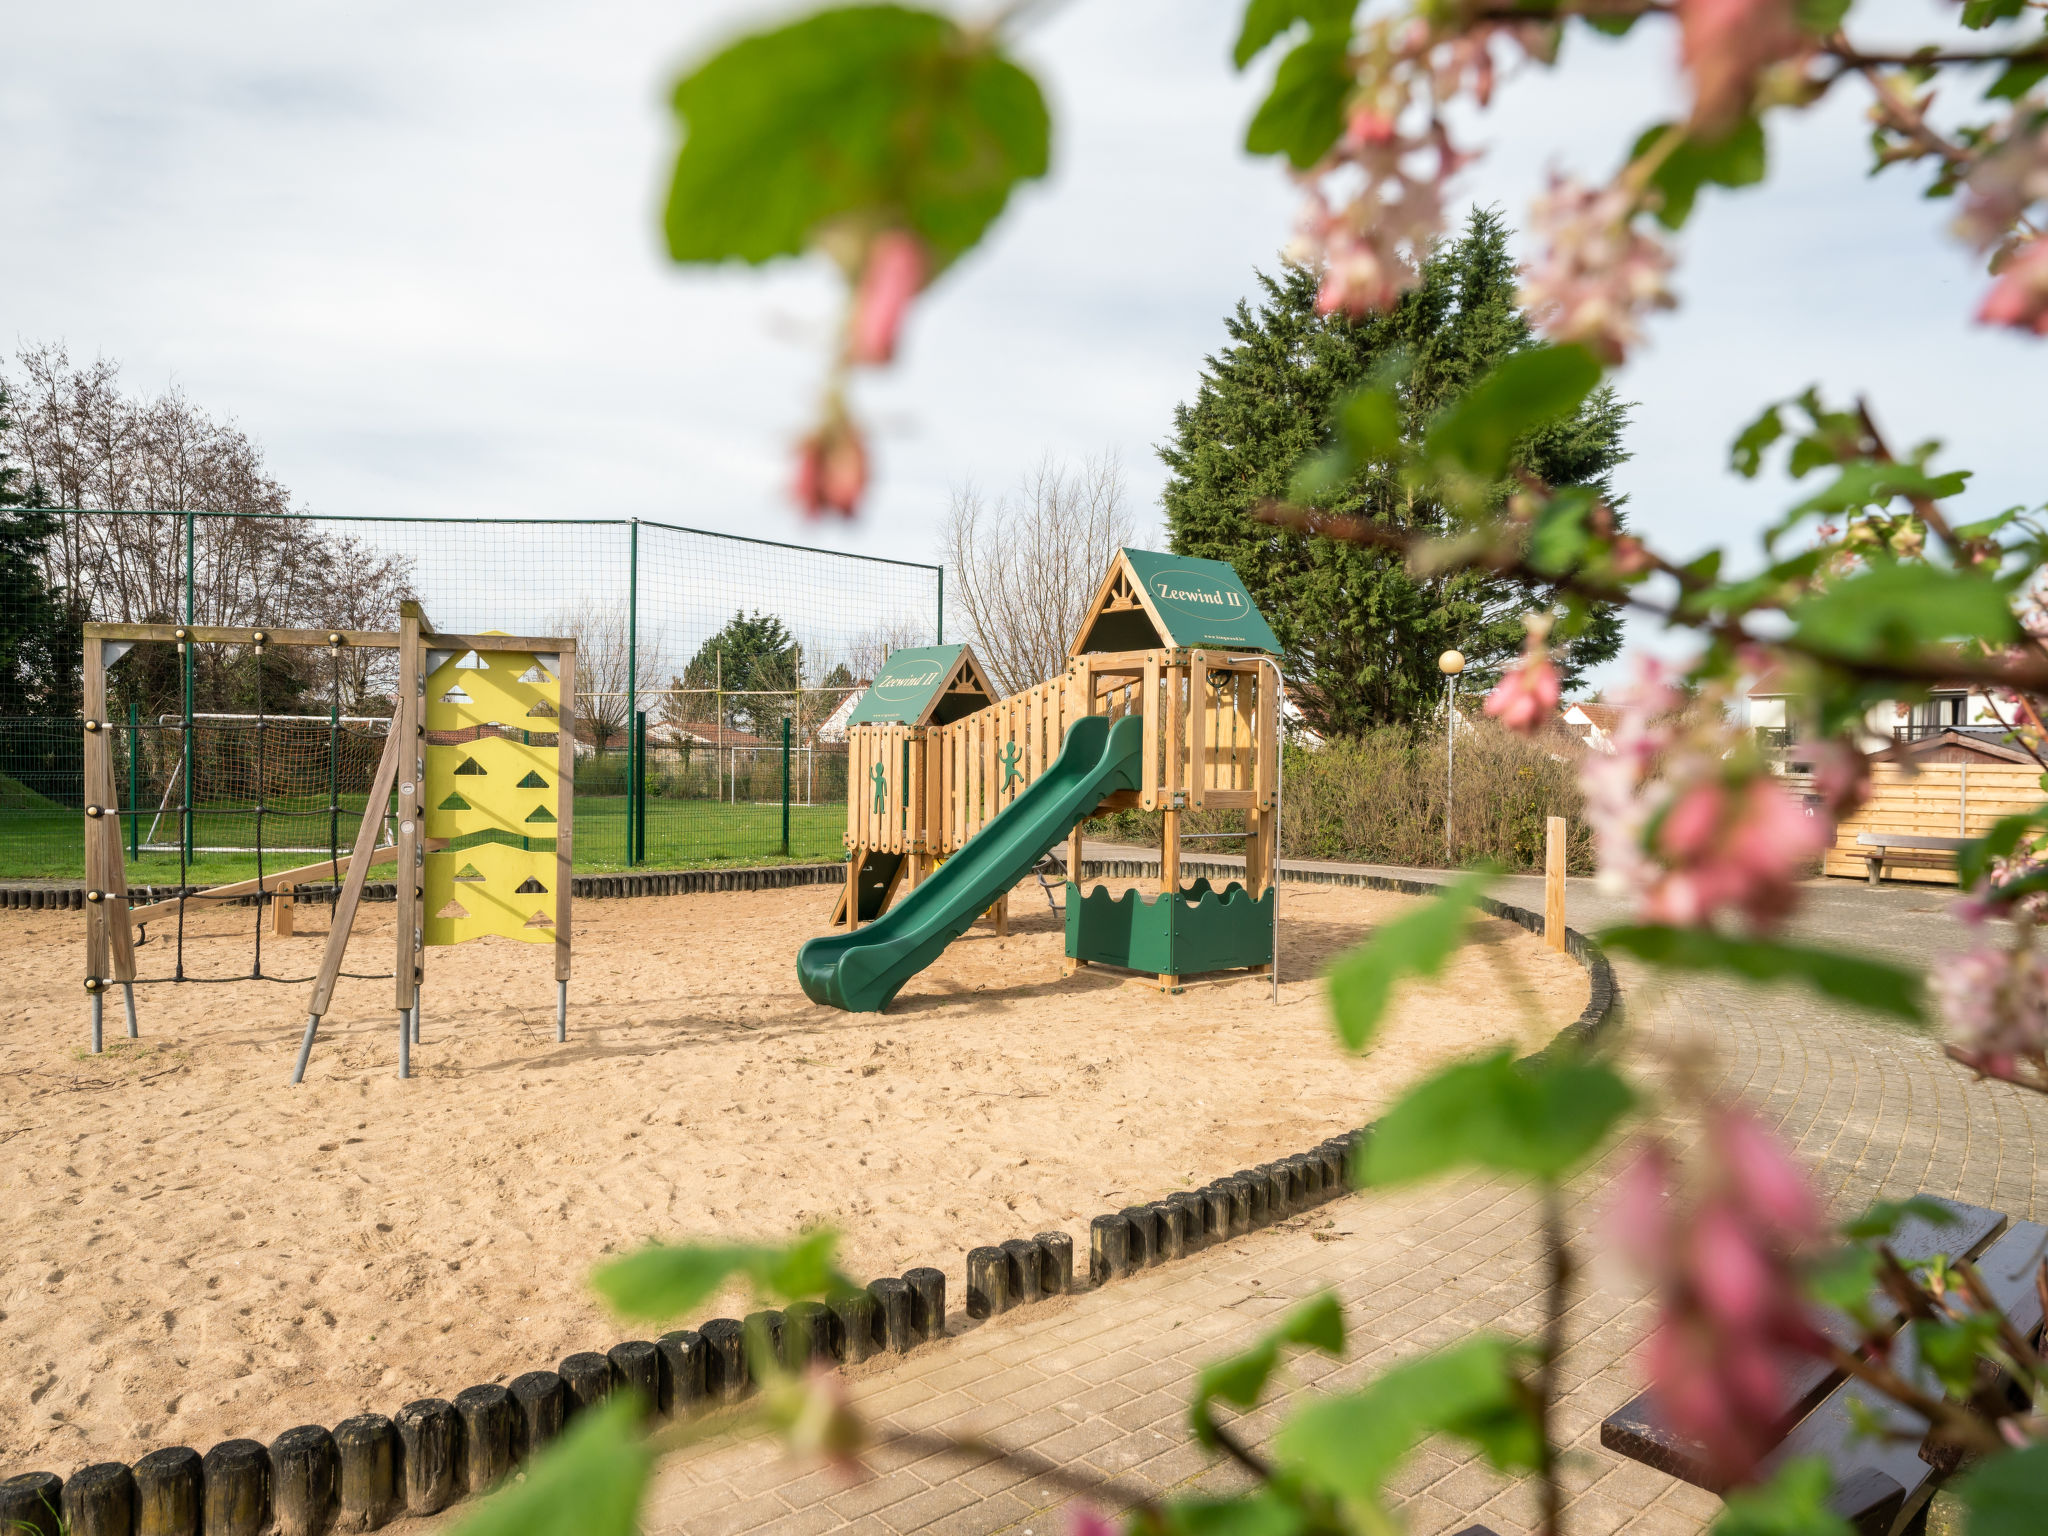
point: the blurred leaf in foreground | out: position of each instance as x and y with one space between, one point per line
588 1483
667 1280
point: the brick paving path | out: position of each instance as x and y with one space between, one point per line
1099 1383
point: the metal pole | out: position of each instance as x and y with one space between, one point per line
785 786
1279 805
128 1003
134 795
640 787
941 640
633 788
561 1012
1450 764
191 583
306 1046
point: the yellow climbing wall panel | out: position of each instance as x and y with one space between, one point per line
491 784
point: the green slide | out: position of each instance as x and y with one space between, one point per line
861 971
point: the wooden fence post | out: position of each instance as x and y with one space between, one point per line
1553 882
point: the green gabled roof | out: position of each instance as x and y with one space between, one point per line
924 685
1152 601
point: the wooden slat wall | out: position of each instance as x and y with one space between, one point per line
1941 800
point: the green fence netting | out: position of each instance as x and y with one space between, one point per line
713 671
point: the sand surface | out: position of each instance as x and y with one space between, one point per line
194 1250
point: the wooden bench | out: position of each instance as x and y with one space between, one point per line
1898 848
1879 1484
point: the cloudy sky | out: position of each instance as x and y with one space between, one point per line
413 250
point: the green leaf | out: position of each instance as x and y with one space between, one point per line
1974 858
875 115
1264 1513
1844 1280
1616 25
1559 538
1737 159
1882 1219
1303 114
1871 984
1349 1444
1872 483
1979 14
1817 18
1414 944
1527 390
2016 79
1747 455
1317 1323
1793 1503
663 1281
1540 1118
1370 420
1265 20
1952 1349
2003 1495
588 1483
1896 610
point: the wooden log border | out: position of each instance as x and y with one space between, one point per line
366 1473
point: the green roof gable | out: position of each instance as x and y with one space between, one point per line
1200 603
911 688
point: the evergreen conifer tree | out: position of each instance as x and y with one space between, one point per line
1362 634
39 642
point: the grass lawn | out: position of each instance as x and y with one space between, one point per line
681 834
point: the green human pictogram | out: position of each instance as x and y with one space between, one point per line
1011 756
881 778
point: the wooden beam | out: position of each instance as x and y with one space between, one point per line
547 643
365 854
210 634
271 882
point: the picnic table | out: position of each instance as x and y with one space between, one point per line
1879 1484
1900 848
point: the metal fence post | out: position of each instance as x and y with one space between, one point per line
134 744
191 658
940 638
639 759
785 786
634 809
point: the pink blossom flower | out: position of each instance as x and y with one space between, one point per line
1841 777
1721 1253
1598 273
894 272
1764 1178
832 469
1527 694
1994 1003
2020 296
1687 821
1087 1521
1725 45
2010 178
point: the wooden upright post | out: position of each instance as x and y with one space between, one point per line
565 832
1553 882
109 942
409 723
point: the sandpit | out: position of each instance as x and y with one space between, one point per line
196 1250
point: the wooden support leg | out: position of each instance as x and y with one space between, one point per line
853 888
281 913
1003 915
1876 870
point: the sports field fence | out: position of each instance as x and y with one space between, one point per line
713 670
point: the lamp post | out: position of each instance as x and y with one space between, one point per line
1451 663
